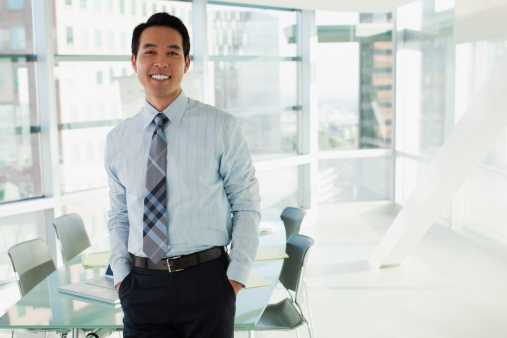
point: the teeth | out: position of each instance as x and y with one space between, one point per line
160 77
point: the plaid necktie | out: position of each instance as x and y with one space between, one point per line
154 219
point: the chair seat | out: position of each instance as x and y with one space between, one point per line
280 316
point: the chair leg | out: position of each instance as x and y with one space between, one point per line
310 321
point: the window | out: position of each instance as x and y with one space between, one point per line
122 7
70 36
262 93
17 38
15 5
98 39
82 3
133 4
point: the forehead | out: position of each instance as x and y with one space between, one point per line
161 36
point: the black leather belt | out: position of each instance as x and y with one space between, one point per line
179 263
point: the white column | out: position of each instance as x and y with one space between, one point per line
480 126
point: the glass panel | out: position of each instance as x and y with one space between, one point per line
425 77
279 188
16 229
354 180
486 205
20 163
243 85
408 173
270 133
339 114
355 94
251 31
111 30
89 102
94 214
16 27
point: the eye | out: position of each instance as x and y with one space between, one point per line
149 52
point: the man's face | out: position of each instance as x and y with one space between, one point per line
160 64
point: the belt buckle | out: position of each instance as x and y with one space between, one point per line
169 264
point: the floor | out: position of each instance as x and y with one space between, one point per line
450 286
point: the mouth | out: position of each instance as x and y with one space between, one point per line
160 76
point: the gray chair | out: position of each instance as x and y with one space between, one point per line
32 262
71 232
288 314
292 218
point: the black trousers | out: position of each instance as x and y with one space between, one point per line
196 302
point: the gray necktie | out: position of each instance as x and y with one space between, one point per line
154 219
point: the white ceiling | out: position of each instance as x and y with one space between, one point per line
363 6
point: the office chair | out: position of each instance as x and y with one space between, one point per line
72 235
32 262
287 314
292 219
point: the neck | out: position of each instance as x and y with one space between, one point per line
161 103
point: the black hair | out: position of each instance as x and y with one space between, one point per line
161 19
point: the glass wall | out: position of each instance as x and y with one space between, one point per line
20 163
254 71
355 84
447 52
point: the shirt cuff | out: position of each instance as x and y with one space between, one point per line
238 272
119 276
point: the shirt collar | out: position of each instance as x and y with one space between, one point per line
174 112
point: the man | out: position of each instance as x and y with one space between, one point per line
182 186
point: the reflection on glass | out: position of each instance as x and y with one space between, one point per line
251 31
16 229
338 95
270 133
425 77
20 170
16 27
89 102
354 180
242 85
486 206
354 74
94 215
110 30
279 188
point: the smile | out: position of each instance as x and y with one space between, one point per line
160 77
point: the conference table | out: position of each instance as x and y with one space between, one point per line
44 307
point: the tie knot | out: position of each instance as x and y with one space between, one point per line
160 119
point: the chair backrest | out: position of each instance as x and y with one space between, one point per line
292 219
292 270
71 232
32 262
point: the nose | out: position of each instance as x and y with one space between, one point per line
161 62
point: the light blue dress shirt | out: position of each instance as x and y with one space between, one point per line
212 192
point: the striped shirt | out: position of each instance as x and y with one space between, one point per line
212 192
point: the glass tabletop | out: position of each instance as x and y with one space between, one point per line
45 307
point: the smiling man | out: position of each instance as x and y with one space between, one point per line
182 188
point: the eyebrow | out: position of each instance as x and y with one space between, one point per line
149 45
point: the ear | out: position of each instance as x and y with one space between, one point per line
133 61
187 63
